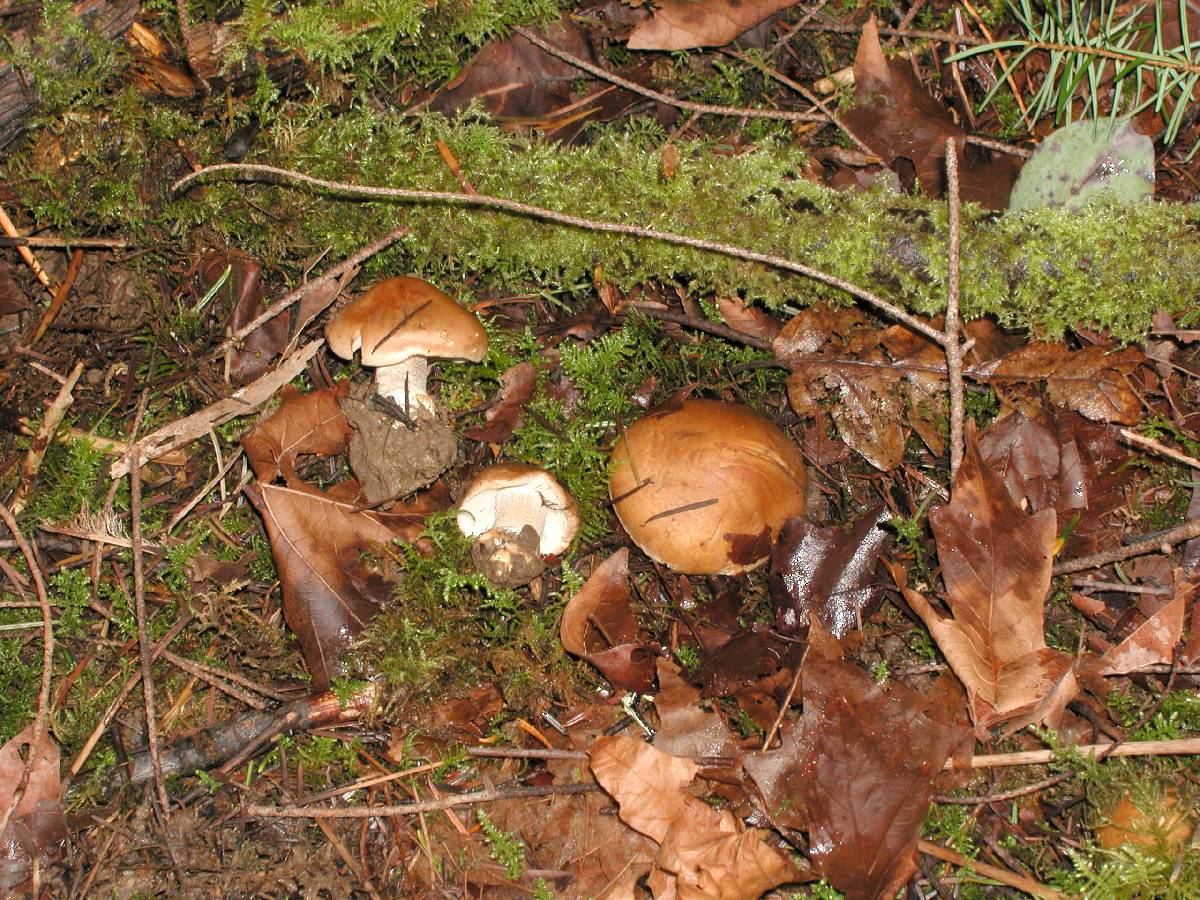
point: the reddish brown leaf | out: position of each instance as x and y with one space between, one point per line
1025 453
684 24
244 292
1091 483
827 570
37 824
12 298
742 661
703 852
504 417
1090 381
861 778
907 128
1154 641
329 596
311 423
748 319
996 562
598 625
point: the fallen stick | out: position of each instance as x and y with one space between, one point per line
55 413
1012 879
1176 747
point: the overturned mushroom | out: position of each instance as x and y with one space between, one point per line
704 486
517 515
399 325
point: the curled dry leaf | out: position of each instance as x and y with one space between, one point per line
684 24
598 625
504 417
859 776
704 853
37 824
311 423
329 596
996 562
828 571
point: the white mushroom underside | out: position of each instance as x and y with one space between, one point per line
512 508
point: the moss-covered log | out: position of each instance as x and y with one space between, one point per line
1049 270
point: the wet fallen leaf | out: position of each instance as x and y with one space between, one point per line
329 596
684 24
907 128
829 571
859 778
598 625
12 298
684 728
311 423
1024 452
996 562
748 319
703 852
504 417
37 824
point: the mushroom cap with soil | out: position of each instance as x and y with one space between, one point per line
517 514
704 486
399 324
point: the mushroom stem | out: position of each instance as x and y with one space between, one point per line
405 383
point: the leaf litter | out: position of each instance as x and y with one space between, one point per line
677 737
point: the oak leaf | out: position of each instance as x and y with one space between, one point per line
685 24
996 564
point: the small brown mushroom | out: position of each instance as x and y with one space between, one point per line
704 486
399 325
517 514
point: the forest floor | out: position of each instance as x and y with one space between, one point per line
245 647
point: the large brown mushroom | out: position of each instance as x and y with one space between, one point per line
517 514
399 325
704 486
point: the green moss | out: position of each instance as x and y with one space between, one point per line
72 478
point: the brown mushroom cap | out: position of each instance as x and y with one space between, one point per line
704 486
404 317
509 496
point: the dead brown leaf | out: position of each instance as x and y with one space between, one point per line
748 319
1091 381
996 562
329 596
907 128
829 571
704 853
311 423
684 24
37 825
1154 641
504 417
12 298
684 729
860 778
598 625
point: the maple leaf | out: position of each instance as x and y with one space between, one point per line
704 853
828 571
37 824
859 779
685 24
329 596
304 423
598 625
996 564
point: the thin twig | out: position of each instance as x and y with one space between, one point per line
60 297
139 601
1161 543
1175 747
1139 440
584 65
273 175
65 243
408 809
1007 795
53 417
783 708
953 324
1004 876
41 717
6 224
721 331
